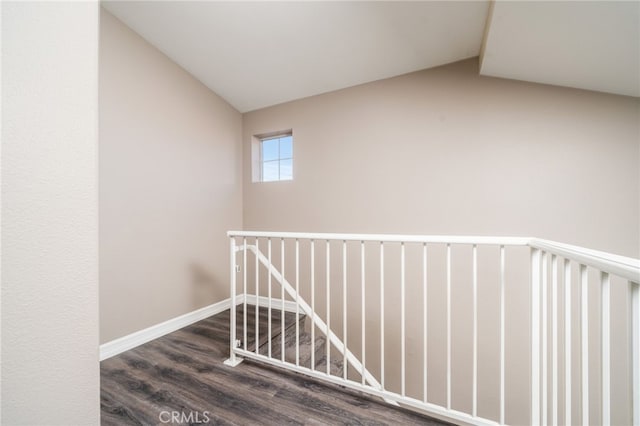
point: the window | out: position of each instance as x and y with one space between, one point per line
276 158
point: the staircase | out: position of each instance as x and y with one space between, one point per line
288 333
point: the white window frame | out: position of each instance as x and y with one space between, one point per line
279 159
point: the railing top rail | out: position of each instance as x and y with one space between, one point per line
387 238
626 267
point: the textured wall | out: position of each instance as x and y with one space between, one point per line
170 186
50 370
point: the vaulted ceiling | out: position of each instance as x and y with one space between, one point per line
592 45
258 54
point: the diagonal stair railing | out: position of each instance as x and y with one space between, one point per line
317 321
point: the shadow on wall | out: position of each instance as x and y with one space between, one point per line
206 285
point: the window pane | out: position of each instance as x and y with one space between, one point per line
270 171
286 147
286 169
270 150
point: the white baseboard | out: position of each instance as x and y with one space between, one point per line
263 302
130 341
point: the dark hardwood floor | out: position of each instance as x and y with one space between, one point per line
181 379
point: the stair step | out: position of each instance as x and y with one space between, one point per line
305 348
336 367
276 339
263 324
320 347
289 336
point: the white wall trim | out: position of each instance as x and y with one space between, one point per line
130 341
263 302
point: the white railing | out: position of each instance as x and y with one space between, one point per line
548 270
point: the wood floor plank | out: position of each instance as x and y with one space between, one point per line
183 372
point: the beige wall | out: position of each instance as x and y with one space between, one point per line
446 151
50 370
170 186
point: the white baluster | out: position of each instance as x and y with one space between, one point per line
555 342
502 335
297 302
545 274
232 310
425 310
362 282
269 295
535 336
606 348
257 306
448 326
474 409
282 335
584 340
567 342
344 308
403 342
313 308
382 323
328 306
634 289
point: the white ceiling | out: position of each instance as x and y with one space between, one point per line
588 45
258 54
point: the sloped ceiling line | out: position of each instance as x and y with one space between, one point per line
258 54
